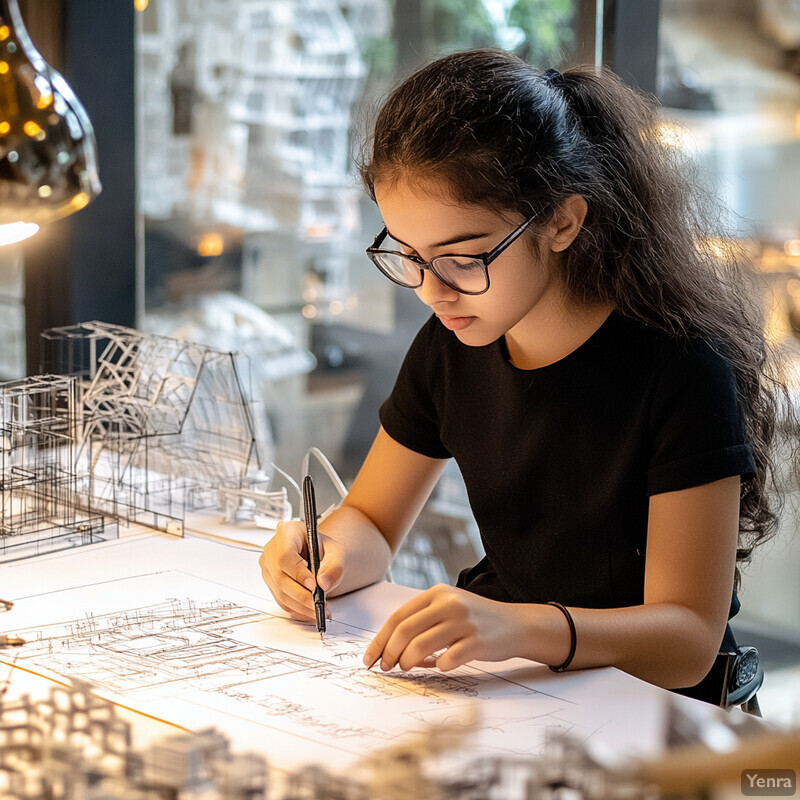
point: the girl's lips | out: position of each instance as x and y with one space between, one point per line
456 323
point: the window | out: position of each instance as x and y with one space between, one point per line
729 77
254 223
247 116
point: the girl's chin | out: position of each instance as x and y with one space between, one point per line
475 337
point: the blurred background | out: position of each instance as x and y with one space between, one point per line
231 213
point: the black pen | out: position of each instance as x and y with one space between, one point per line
312 537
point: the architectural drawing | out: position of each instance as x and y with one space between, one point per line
72 743
151 648
187 651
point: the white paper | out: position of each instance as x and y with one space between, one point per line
193 650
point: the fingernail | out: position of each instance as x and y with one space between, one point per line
385 666
309 584
324 583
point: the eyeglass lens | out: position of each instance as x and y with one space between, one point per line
459 272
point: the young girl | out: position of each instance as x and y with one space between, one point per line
595 370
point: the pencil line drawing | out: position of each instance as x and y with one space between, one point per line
153 647
226 655
57 745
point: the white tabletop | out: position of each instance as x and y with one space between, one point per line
183 629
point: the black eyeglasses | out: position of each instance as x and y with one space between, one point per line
464 274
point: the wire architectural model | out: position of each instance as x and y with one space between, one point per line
166 422
125 426
42 507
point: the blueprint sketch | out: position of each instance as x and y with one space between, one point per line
194 652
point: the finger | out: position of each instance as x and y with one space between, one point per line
291 558
404 634
285 552
440 623
290 535
299 605
396 618
376 646
330 574
295 611
280 583
289 594
374 650
296 567
293 592
426 644
457 655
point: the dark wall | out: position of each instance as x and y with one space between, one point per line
84 266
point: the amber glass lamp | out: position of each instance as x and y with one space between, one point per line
48 154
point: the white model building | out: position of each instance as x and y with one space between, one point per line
245 116
73 745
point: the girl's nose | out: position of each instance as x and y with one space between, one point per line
433 290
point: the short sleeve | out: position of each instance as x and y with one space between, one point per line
409 414
697 425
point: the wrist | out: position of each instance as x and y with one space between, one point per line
547 636
573 637
364 553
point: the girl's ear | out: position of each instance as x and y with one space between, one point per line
566 222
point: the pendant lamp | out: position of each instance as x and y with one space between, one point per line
48 154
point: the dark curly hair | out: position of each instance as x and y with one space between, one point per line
494 131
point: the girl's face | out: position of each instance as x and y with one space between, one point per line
523 284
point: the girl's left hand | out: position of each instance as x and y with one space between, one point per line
462 624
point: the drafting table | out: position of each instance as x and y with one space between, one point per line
183 629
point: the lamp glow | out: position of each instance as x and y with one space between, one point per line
211 244
15 232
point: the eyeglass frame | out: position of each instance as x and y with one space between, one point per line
483 258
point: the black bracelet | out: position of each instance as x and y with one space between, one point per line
573 636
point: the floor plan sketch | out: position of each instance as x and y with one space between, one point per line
196 653
56 744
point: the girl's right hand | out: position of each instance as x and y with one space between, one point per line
286 573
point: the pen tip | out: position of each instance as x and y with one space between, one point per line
321 636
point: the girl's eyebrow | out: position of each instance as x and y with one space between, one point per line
461 237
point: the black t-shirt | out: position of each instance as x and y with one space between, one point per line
559 462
